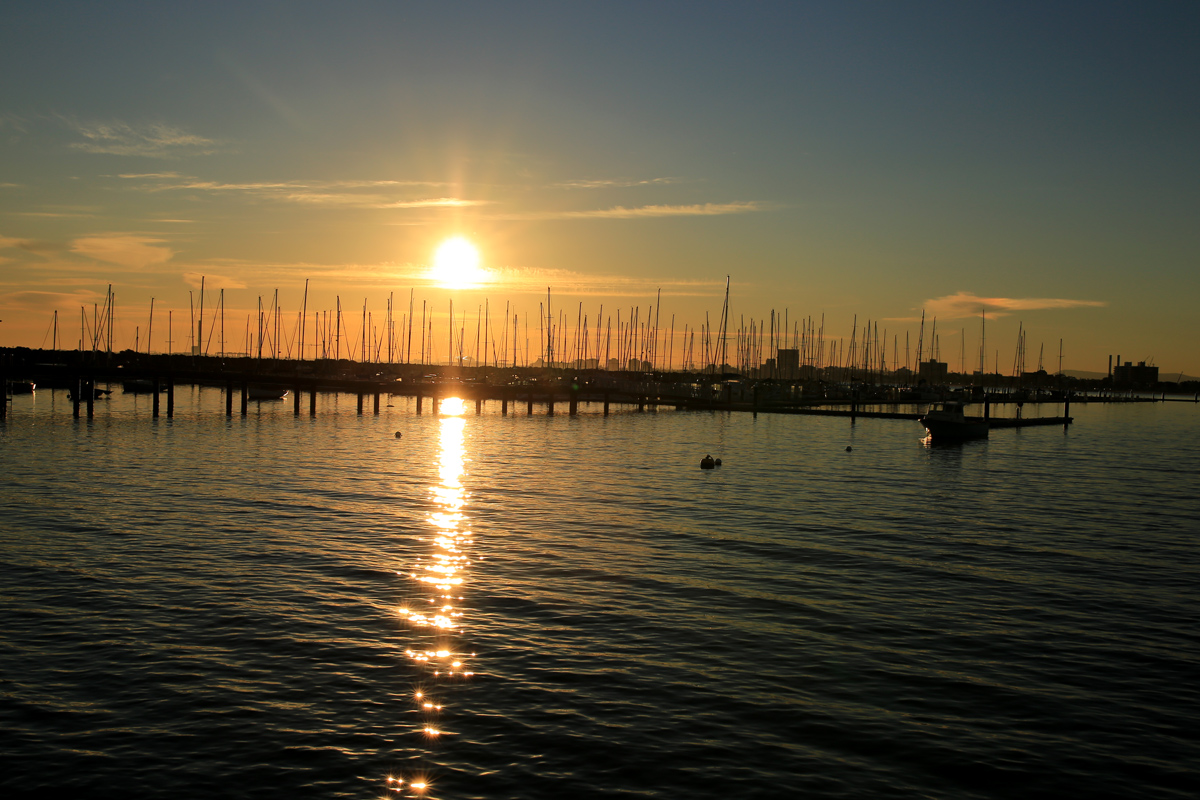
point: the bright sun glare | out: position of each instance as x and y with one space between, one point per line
456 264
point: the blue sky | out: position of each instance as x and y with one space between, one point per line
1034 160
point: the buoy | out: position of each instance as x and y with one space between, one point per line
718 462
398 434
708 462
848 448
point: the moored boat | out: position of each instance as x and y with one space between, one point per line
950 423
265 393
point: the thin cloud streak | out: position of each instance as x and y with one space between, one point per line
338 194
135 252
34 246
211 281
154 140
642 212
615 183
963 305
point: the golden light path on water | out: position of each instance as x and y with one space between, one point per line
434 613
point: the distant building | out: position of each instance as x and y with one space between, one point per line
933 371
1128 376
788 362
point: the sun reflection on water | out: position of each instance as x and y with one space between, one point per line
438 578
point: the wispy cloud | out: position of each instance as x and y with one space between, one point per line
614 183
578 284
211 281
153 140
28 245
126 250
12 123
700 210
40 300
58 214
642 212
370 194
965 304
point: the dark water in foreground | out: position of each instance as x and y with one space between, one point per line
249 607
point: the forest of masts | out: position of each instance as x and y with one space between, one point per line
772 347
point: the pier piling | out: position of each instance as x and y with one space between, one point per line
296 400
606 404
375 409
478 407
504 405
156 401
245 397
360 403
229 398
419 398
312 402
90 388
170 397
75 399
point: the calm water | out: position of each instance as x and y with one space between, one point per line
263 607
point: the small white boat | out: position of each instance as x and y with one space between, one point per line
949 423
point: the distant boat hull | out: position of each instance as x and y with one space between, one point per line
949 424
97 394
265 393
949 430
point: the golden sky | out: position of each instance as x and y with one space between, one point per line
1034 162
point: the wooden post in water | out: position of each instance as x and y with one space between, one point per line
245 397
1067 412
296 400
504 404
478 406
418 402
987 408
156 400
75 400
573 403
375 409
3 395
360 402
229 398
550 405
606 404
641 402
312 401
170 396
90 387
529 408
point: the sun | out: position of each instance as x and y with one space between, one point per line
456 264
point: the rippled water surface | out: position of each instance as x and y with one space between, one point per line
545 607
